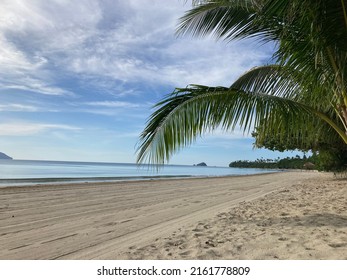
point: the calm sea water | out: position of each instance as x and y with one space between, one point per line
26 171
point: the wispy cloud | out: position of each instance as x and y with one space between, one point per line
112 108
35 85
25 129
34 35
114 104
110 41
14 107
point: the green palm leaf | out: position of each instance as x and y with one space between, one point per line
188 113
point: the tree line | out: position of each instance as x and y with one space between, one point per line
320 162
285 163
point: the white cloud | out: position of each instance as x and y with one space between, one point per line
14 107
35 85
32 33
112 108
127 41
25 129
114 104
54 23
145 50
205 61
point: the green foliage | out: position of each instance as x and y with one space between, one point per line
330 154
331 160
285 163
301 100
326 160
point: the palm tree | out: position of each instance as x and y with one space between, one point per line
303 93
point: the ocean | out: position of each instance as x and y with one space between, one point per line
39 171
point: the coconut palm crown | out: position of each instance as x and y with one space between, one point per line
303 93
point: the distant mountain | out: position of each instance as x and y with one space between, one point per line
201 164
4 156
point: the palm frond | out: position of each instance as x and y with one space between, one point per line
305 31
223 18
188 113
270 79
284 81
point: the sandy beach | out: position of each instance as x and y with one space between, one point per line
287 215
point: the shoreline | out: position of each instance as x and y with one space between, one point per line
27 182
204 218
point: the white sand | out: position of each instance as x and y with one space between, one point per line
247 217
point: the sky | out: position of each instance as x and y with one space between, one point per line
78 79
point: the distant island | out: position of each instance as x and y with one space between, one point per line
4 156
200 164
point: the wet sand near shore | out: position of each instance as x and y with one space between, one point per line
287 215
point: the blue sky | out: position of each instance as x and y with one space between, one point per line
78 78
